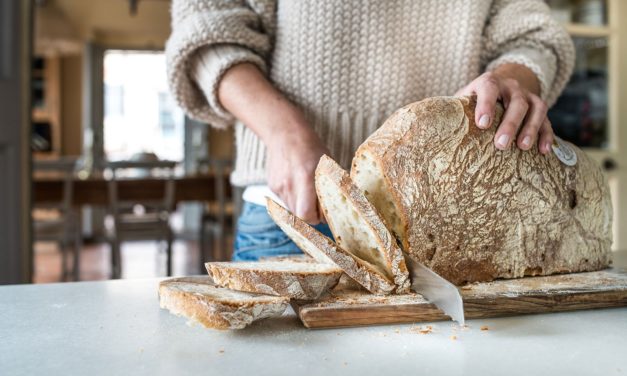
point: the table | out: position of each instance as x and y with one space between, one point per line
117 328
93 191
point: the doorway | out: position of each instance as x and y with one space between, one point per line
140 116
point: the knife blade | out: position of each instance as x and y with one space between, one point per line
436 290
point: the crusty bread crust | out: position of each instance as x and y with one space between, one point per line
297 280
214 307
324 249
386 243
474 213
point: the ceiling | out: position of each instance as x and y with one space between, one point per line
110 22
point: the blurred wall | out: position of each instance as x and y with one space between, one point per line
71 104
109 23
221 143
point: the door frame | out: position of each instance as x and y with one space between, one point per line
16 255
617 112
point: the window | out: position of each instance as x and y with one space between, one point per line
140 115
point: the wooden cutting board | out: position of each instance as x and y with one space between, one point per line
344 307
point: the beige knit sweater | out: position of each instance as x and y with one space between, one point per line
350 63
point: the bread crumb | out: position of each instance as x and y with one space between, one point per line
422 330
466 287
453 338
397 331
221 351
484 327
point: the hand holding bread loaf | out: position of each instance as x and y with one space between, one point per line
525 121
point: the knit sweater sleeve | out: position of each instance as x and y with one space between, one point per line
523 32
208 37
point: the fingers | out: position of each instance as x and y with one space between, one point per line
282 188
512 119
307 202
546 137
488 92
534 120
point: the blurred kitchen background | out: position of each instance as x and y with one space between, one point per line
124 185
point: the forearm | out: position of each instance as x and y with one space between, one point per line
246 93
523 75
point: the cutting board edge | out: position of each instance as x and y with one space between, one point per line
312 318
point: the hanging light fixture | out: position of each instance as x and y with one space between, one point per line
133 4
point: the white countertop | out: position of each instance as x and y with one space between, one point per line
117 328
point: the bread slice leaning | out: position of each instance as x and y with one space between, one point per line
297 280
356 224
324 250
215 307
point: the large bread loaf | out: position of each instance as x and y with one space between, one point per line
474 213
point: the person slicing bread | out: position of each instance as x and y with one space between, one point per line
300 79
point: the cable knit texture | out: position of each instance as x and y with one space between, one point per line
350 63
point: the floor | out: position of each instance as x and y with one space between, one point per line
140 259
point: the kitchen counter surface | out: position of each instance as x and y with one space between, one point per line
117 328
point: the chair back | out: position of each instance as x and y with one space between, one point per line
219 168
64 167
129 170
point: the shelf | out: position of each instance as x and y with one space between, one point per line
44 155
41 114
583 30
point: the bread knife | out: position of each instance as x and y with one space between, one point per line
436 290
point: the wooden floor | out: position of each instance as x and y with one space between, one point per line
140 259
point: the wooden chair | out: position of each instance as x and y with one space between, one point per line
58 221
215 221
139 220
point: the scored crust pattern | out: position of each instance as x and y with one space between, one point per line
474 213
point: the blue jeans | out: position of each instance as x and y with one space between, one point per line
258 236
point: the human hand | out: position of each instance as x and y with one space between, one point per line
291 160
293 149
519 89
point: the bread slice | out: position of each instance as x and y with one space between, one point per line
297 280
356 224
215 307
474 213
324 250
